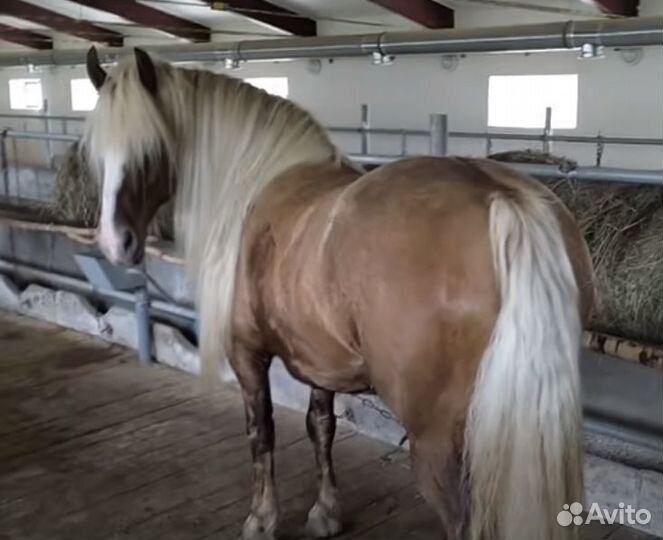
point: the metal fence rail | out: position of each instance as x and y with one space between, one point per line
438 136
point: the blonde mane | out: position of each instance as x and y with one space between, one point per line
227 140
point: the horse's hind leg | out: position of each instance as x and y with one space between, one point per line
438 468
252 373
324 517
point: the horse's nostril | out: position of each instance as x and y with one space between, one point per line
127 240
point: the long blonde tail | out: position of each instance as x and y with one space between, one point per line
523 439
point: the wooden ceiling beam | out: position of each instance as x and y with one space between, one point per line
270 14
622 8
59 22
427 13
24 37
144 15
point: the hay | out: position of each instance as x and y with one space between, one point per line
76 193
623 227
77 196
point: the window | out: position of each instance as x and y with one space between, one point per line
274 85
25 94
520 101
83 95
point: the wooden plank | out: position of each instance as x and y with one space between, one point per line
91 477
73 390
228 506
398 518
25 37
151 17
66 432
270 14
621 8
427 13
173 431
59 22
361 484
211 468
62 361
596 531
626 533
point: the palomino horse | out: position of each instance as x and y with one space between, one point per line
453 288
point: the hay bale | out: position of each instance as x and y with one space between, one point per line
77 196
76 192
623 226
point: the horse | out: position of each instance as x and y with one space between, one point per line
453 288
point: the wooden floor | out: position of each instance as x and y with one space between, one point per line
94 447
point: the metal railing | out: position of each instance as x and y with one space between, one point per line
438 136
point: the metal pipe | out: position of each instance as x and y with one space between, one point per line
439 134
22 116
5 182
625 32
592 174
143 326
380 131
36 135
365 126
644 141
49 142
80 285
547 131
583 174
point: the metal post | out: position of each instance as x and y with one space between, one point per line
600 147
365 125
5 163
547 131
142 313
489 146
403 143
49 144
5 181
439 134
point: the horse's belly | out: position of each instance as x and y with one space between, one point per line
342 373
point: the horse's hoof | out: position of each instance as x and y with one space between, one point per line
323 522
256 528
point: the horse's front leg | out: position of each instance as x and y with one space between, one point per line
252 372
324 518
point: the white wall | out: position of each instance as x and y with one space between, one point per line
614 98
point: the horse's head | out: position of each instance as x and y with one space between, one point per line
129 140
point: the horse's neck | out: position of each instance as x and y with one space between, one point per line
233 142
245 131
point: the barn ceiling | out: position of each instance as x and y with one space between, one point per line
44 24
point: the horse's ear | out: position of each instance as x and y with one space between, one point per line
147 72
95 72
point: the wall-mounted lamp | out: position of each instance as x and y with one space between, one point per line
314 66
449 62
